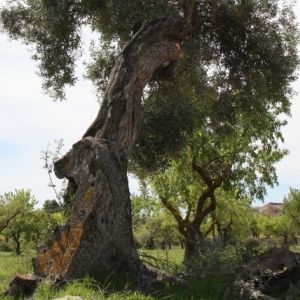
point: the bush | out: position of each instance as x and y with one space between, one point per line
223 262
251 247
6 246
145 239
213 258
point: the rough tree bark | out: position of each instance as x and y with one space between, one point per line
99 232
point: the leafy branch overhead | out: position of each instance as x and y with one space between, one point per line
241 61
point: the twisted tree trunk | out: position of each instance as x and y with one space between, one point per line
99 232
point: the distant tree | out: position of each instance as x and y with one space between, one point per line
163 227
232 217
266 224
254 226
238 160
283 227
6 213
52 206
287 225
24 222
152 220
291 207
141 206
41 224
280 226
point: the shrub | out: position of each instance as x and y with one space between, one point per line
145 239
6 246
223 262
250 247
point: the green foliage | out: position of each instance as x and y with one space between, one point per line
25 221
51 29
144 238
6 246
232 77
234 215
12 264
29 225
100 65
283 227
42 225
153 225
51 206
141 205
216 177
171 113
291 206
287 225
224 263
241 62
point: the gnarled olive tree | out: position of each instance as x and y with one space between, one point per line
241 61
99 233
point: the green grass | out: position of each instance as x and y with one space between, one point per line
175 255
108 286
295 248
89 288
12 264
170 260
115 286
112 286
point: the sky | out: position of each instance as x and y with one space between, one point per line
30 120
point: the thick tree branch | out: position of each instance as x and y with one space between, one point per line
153 45
182 224
201 171
200 213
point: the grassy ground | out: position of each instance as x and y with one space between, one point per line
117 286
112 286
120 286
169 260
108 286
175 255
295 248
10 265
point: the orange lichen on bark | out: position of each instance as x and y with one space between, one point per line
88 195
59 256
